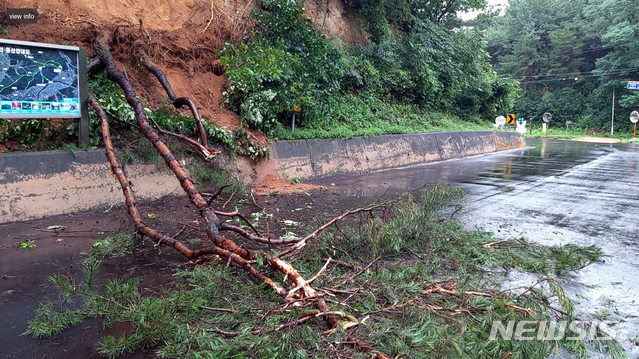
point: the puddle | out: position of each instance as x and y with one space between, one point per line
552 193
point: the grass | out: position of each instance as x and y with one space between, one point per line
207 174
148 153
397 256
201 171
396 121
574 134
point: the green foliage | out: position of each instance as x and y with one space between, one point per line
111 246
148 153
212 312
126 156
119 114
368 116
28 244
288 64
574 132
24 131
569 56
203 173
48 322
383 17
235 142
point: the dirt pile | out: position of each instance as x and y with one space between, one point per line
181 36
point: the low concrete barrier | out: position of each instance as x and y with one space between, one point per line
319 158
38 184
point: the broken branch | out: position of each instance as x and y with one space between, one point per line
178 102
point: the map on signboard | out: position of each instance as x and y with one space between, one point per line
38 80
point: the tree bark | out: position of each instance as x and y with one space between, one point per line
222 247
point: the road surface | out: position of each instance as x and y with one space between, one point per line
551 192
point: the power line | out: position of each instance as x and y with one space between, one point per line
590 50
590 76
611 72
544 77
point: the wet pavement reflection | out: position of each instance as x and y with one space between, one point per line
550 192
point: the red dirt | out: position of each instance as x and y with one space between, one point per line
271 183
182 37
175 41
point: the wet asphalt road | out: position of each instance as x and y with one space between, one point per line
551 192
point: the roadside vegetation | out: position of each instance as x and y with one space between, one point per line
122 118
568 56
36 134
409 280
421 76
575 134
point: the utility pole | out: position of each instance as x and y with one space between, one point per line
612 127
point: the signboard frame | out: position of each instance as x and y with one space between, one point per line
83 116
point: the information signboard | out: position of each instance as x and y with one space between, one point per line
43 81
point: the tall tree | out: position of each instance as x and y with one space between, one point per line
568 56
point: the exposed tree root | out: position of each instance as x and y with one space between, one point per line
178 102
222 247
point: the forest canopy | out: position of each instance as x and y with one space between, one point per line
568 56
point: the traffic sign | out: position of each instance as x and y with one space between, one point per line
633 85
510 118
500 121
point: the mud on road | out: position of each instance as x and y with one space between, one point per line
24 272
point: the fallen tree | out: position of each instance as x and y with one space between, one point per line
221 246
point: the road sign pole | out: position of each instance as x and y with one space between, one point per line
612 126
531 125
634 133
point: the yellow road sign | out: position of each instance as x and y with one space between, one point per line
510 119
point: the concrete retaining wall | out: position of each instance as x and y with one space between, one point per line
319 158
38 184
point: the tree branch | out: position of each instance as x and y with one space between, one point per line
178 102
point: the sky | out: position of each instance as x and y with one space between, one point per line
473 14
